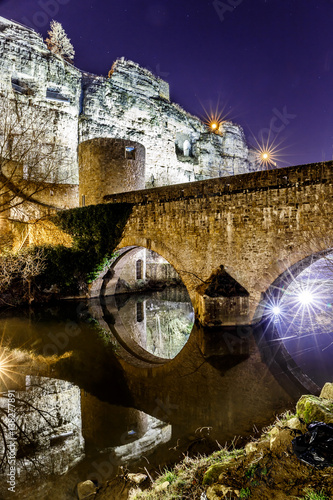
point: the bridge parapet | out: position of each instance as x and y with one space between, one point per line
298 177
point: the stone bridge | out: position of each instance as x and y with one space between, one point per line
256 225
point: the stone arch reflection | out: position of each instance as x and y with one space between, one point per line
145 305
297 314
150 325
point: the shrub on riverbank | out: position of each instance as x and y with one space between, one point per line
96 231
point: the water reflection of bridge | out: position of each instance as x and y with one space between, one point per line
226 378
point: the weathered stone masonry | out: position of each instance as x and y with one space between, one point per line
130 105
257 225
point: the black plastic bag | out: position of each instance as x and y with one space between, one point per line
315 447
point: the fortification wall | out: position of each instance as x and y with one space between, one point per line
109 165
133 104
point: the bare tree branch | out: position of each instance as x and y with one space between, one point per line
30 158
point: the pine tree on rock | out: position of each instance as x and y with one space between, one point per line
59 43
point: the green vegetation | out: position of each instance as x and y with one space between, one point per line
96 228
169 475
96 231
313 495
245 493
251 471
191 477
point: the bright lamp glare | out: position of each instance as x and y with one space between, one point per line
305 297
276 310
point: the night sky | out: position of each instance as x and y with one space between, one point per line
267 63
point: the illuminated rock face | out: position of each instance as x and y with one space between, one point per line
131 105
38 78
50 414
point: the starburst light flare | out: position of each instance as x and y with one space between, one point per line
305 297
214 118
269 152
7 365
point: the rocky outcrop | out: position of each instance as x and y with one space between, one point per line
131 104
266 469
39 79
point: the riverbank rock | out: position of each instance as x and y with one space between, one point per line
327 391
279 439
313 409
267 469
295 424
162 487
261 446
117 489
137 478
86 490
218 491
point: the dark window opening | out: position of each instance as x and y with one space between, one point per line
83 200
21 87
139 312
130 153
139 266
56 95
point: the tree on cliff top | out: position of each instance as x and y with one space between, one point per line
59 43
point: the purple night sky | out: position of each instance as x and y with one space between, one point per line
268 63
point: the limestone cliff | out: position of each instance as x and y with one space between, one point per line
131 104
39 79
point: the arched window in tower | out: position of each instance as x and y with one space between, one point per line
139 269
187 148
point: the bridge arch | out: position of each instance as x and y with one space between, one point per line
210 310
257 225
106 283
147 328
275 290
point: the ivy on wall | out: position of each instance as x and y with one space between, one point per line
96 231
96 227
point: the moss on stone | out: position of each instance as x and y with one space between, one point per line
212 474
311 408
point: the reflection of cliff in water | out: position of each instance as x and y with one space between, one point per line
62 435
160 322
44 435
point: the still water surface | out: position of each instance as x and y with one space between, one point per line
100 385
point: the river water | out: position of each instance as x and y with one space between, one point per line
131 382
